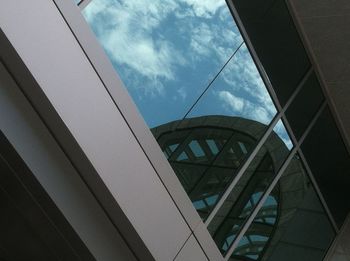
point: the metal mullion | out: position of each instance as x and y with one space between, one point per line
260 203
312 123
306 132
304 161
204 146
297 89
306 165
199 164
204 174
296 148
83 3
213 80
294 151
289 102
295 141
191 156
243 169
224 149
261 68
209 85
274 122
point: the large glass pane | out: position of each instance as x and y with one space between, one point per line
305 105
165 51
246 194
291 225
329 161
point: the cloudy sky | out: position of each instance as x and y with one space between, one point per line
168 51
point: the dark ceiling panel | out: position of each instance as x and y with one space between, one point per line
32 227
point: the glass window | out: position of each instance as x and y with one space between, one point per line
180 59
329 161
206 153
244 197
165 51
291 225
187 68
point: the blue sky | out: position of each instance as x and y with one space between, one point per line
167 51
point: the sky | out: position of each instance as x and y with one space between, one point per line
166 52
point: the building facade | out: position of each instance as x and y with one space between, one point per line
129 131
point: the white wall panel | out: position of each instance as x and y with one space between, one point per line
48 48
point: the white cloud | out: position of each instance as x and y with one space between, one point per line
235 103
205 8
125 28
125 31
241 107
202 36
242 76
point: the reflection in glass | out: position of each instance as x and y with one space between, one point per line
168 54
281 131
165 51
244 197
291 225
206 153
238 91
255 240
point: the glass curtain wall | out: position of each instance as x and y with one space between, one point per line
197 85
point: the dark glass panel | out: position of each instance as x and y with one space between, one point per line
248 191
276 42
305 105
299 228
329 161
